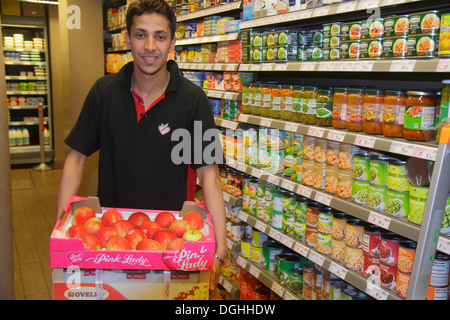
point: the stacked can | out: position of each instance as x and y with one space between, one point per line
389 249
312 220
360 183
345 172
271 248
331 167
378 172
406 254
331 41
289 164
371 249
423 35
338 236
397 196
297 149
354 237
234 267
258 239
288 212
249 197
301 204
277 210
324 229
260 199
308 275
269 192
285 263
308 160
439 280
320 151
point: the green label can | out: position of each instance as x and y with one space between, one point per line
397 178
268 212
277 220
378 170
260 207
376 198
271 248
361 166
300 230
417 201
296 280
360 191
397 203
324 243
287 262
288 222
278 202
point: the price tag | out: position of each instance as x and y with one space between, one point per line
267 66
226 196
289 296
201 66
241 167
308 66
242 262
231 67
254 271
424 152
274 234
228 286
443 65
256 173
288 185
243 117
321 11
392 2
265 122
228 124
338 270
336 135
364 66
287 241
229 244
301 249
277 288
304 191
316 258
280 66
443 245
261 226
193 66
255 67
316 132
290 126
326 66
379 220
302 14
365 141
231 162
323 198
348 66
242 216
402 65
375 291
364 4
228 95
401 148
244 67
273 179
346 6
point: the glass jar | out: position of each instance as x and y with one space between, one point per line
355 100
444 107
286 102
297 103
275 101
309 105
393 113
373 111
339 108
324 109
256 98
265 100
419 116
247 98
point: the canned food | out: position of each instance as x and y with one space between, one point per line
361 166
260 207
371 48
371 240
388 275
246 247
351 31
402 284
332 29
422 45
330 42
350 49
336 288
237 231
271 248
311 236
371 268
296 280
424 22
257 254
440 270
346 154
332 53
406 253
376 197
444 36
353 258
331 178
354 233
378 170
324 243
417 202
397 203
389 245
319 175
262 293
372 28
307 291
418 172
287 262
396 26
360 191
333 148
344 184
437 293
320 150
312 213
317 278
395 47
397 178
277 220
338 250
258 237
325 220
339 225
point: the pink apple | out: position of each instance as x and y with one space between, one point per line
91 243
111 216
192 235
176 244
122 227
164 237
194 219
105 234
148 244
77 231
164 219
118 244
138 218
82 214
93 225
134 236
179 227
150 228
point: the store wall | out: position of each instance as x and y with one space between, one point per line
77 61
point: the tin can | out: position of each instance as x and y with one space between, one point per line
246 247
397 178
388 275
277 220
331 178
371 48
440 270
444 45
307 291
344 184
353 258
396 26
339 225
402 284
376 198
311 236
437 293
395 47
319 175
422 45
271 249
277 201
354 233
418 172
287 262
406 254
371 240
397 203
317 278
360 191
260 207
346 155
361 166
378 170
417 202
389 245
370 266
258 237
333 153
424 22
349 294
325 220
308 274
262 293
312 213
296 280
332 29
257 254
351 31
324 243
338 250
237 231
336 289
309 147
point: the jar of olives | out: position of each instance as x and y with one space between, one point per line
286 102
256 98
297 103
324 109
309 105
275 101
265 100
247 98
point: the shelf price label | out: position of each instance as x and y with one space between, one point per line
265 122
254 271
364 66
228 286
288 185
301 249
326 66
273 179
229 244
226 196
316 132
281 66
274 234
261 226
323 198
267 66
336 135
287 241
402 65
375 291
443 245
443 65
364 4
321 11
308 66
392 2
316 258
424 152
256 173
289 296
277 288
243 117
304 191
244 67
401 148
338 270
379 220
365 141
243 216
242 262
346 7
290 126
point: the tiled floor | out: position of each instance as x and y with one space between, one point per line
34 213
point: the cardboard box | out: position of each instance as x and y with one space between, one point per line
66 252
91 284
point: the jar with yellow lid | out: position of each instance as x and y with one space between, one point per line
297 103
309 105
286 102
275 101
256 98
324 109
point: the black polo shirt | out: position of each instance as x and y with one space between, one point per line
135 165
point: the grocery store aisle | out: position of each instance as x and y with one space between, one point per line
34 211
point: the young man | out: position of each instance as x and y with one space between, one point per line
130 117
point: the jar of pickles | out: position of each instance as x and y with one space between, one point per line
247 98
265 100
419 116
275 101
286 102
393 113
256 98
324 109
339 108
373 111
297 103
309 105
355 100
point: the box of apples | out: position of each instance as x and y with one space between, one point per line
91 237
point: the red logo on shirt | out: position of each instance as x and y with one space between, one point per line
164 128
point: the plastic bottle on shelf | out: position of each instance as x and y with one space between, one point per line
12 137
19 137
46 136
26 137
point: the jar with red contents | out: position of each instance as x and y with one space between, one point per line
355 102
373 111
419 116
393 113
339 108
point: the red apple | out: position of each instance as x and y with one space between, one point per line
176 244
179 227
164 219
77 231
138 218
122 227
148 244
134 236
164 237
150 228
82 214
105 234
93 225
118 244
91 243
194 219
111 216
192 235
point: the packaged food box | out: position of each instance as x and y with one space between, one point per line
67 252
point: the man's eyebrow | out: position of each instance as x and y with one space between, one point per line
145 31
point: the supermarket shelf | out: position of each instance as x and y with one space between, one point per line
217 66
207 39
221 94
118 49
230 286
210 11
24 78
427 151
26 107
267 278
26 93
25 63
22 50
232 199
354 278
27 123
118 27
227 124
326 10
